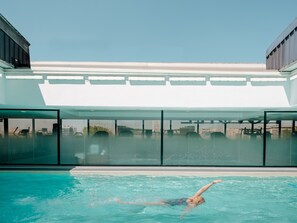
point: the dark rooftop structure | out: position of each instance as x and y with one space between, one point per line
14 48
282 53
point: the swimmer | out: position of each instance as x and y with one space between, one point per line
190 202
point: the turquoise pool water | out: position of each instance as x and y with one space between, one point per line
61 197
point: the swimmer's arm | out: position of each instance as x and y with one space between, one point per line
186 210
205 188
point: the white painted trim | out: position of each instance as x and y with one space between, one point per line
146 78
269 79
239 79
154 69
22 77
65 77
106 78
192 79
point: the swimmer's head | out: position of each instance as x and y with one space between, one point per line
195 201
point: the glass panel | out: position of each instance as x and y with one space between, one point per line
281 139
20 141
245 143
122 142
115 137
97 145
212 142
137 143
31 137
73 141
45 141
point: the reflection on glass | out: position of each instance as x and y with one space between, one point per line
26 139
73 141
213 142
45 141
111 142
281 141
1 128
137 143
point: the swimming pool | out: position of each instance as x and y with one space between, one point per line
62 197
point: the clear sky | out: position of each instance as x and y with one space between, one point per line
150 30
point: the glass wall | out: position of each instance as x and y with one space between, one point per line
281 139
194 139
28 137
114 138
186 138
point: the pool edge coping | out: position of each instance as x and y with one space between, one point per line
159 171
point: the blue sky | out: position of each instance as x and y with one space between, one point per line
150 30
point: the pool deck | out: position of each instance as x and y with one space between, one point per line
160 171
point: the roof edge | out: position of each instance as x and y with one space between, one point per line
13 30
282 36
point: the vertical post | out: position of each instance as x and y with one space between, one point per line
6 144
162 134
293 126
198 127
279 128
225 128
5 120
142 127
88 127
264 139
116 127
33 137
252 127
58 136
33 127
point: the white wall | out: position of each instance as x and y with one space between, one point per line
41 93
24 93
164 96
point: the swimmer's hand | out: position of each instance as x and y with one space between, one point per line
216 181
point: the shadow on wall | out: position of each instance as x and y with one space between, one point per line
24 93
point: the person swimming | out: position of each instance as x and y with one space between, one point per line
190 202
176 202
